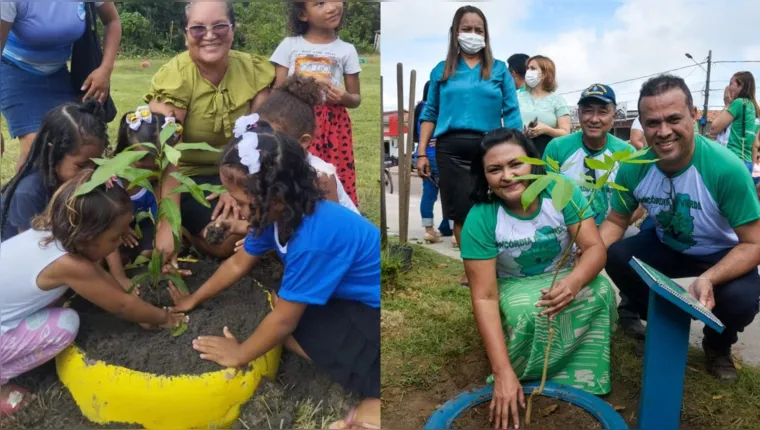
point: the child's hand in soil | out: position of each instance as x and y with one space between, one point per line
224 351
233 225
172 321
183 302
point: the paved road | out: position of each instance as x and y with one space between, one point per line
748 347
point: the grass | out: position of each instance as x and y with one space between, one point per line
129 83
128 86
428 327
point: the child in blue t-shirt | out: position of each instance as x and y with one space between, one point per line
138 127
328 304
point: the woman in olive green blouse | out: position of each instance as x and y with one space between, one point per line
207 88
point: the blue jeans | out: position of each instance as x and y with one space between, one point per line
430 195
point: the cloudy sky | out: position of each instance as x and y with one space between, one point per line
589 40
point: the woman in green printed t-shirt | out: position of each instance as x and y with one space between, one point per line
740 116
510 254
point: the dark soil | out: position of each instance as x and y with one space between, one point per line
547 414
215 235
241 308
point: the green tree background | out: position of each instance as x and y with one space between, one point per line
151 27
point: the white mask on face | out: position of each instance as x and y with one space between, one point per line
471 43
533 78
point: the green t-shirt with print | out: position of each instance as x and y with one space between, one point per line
522 246
571 154
547 109
743 111
696 210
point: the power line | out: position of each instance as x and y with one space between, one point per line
736 61
638 78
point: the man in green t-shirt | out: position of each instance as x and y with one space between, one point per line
517 64
596 113
707 219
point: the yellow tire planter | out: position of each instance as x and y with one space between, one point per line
112 394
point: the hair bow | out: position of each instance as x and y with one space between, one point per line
171 120
140 115
245 124
248 150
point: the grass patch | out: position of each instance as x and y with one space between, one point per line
429 335
129 83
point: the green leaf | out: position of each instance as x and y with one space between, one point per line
142 215
637 154
180 329
588 179
177 281
562 193
553 164
608 160
595 164
154 267
114 166
169 210
172 155
603 179
215 189
615 186
533 161
530 177
138 231
140 146
133 174
531 193
99 161
137 280
141 260
163 163
620 155
192 188
196 147
167 133
567 166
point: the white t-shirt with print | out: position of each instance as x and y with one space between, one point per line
324 168
331 61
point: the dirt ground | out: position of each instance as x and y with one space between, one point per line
549 414
300 397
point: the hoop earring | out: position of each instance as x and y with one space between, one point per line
490 193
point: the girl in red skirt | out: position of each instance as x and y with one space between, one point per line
314 49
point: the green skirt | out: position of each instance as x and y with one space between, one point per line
580 352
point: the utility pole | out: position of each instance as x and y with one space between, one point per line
703 123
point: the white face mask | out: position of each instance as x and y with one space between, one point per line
471 43
533 78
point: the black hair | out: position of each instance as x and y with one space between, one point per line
148 132
425 91
290 107
479 192
63 131
189 5
75 221
284 177
662 84
518 63
297 27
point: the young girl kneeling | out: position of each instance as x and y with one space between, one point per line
62 250
328 310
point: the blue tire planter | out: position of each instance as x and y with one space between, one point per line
445 416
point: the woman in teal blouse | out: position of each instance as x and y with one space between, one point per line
470 93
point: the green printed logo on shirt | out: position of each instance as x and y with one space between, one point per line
678 223
541 254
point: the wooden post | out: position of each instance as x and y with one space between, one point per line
403 227
383 214
409 151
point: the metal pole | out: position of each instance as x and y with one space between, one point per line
403 232
409 151
703 126
383 214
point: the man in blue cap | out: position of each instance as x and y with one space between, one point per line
596 113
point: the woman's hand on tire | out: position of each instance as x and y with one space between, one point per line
423 167
507 394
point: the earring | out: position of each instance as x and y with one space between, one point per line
490 194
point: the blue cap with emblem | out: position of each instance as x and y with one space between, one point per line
599 92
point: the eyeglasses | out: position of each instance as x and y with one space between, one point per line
198 32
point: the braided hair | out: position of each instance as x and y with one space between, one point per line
63 131
284 177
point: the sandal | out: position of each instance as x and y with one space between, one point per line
432 238
348 423
454 243
16 400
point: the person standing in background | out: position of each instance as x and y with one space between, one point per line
430 184
637 135
545 114
470 93
36 40
517 67
722 137
740 116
